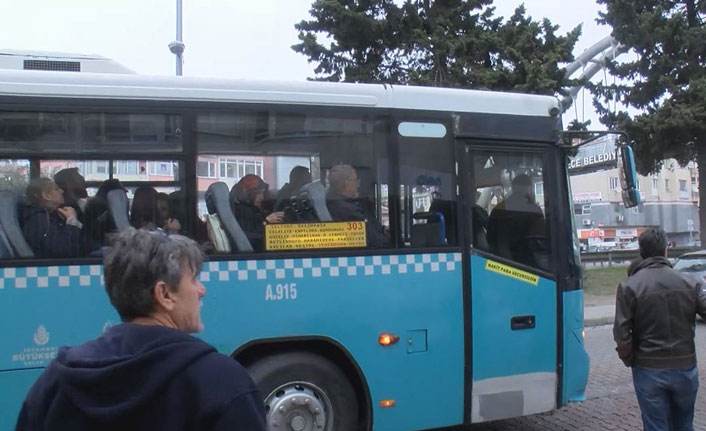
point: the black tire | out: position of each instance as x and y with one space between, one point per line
288 380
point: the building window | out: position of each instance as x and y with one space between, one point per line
96 167
683 194
125 167
614 184
163 168
206 169
229 168
582 209
666 185
655 186
539 188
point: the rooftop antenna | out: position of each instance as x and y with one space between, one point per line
177 47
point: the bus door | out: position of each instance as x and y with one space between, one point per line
513 290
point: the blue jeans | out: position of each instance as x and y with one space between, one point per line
666 397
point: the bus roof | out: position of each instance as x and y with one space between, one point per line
203 89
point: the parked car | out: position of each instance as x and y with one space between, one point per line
693 265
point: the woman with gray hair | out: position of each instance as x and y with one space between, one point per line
148 372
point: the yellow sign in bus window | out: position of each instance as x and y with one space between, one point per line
297 236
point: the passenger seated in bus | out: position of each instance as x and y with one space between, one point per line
516 226
74 186
145 214
246 198
99 223
343 205
171 223
50 228
178 210
298 176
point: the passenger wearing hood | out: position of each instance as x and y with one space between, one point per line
51 229
146 373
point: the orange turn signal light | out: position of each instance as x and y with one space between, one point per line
387 403
386 339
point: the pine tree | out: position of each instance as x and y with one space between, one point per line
664 81
450 43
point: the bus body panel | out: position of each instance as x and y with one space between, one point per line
576 360
278 298
514 370
11 400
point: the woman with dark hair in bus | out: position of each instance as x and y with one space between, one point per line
99 223
145 212
246 199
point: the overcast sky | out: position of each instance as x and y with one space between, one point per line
230 38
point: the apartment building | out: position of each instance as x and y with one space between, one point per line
670 199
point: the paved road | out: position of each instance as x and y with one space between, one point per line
611 402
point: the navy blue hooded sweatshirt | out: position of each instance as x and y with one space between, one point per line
137 377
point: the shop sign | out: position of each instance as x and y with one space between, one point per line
595 159
626 233
587 197
591 233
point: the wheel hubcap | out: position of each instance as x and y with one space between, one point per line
298 406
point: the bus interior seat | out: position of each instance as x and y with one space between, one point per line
5 248
312 198
118 207
218 202
11 227
449 211
429 234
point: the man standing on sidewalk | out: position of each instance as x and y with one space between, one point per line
655 315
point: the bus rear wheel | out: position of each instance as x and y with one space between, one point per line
305 392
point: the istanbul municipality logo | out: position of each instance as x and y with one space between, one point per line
41 337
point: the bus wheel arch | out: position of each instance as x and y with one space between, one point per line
258 352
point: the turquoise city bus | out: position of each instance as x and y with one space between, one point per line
464 309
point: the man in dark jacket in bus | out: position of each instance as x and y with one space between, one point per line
146 373
343 205
51 229
655 314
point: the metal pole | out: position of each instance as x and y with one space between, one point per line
177 47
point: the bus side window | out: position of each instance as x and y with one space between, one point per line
427 192
293 153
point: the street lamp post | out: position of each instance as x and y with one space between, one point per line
177 47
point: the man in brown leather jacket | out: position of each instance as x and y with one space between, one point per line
655 317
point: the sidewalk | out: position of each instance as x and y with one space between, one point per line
598 310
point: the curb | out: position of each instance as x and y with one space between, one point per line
607 320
